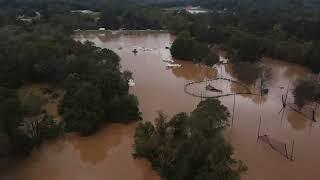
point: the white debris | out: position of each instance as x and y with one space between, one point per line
173 65
131 83
168 60
223 60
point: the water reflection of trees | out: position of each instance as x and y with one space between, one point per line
194 72
95 148
284 71
251 82
252 73
297 121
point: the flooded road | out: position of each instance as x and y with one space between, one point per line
107 155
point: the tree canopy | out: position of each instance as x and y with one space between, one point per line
306 91
189 146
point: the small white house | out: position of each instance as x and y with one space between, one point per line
102 29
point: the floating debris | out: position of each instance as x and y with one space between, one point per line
135 51
168 60
211 88
223 60
131 82
173 65
146 49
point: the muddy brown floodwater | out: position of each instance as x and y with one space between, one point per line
107 155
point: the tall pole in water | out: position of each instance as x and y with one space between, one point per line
259 129
282 116
234 104
291 158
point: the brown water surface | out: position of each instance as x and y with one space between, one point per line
107 155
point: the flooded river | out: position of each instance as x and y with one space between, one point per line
107 155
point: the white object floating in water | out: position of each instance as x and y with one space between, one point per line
223 59
168 60
102 29
173 65
146 49
131 83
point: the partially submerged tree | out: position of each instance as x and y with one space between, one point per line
127 75
264 79
25 120
189 147
39 127
187 48
306 91
210 60
252 74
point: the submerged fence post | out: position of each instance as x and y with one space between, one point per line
291 158
310 129
287 92
285 97
285 147
314 111
234 104
259 129
282 117
283 102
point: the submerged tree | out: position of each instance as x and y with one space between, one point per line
265 77
189 147
187 48
252 73
306 91
210 60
